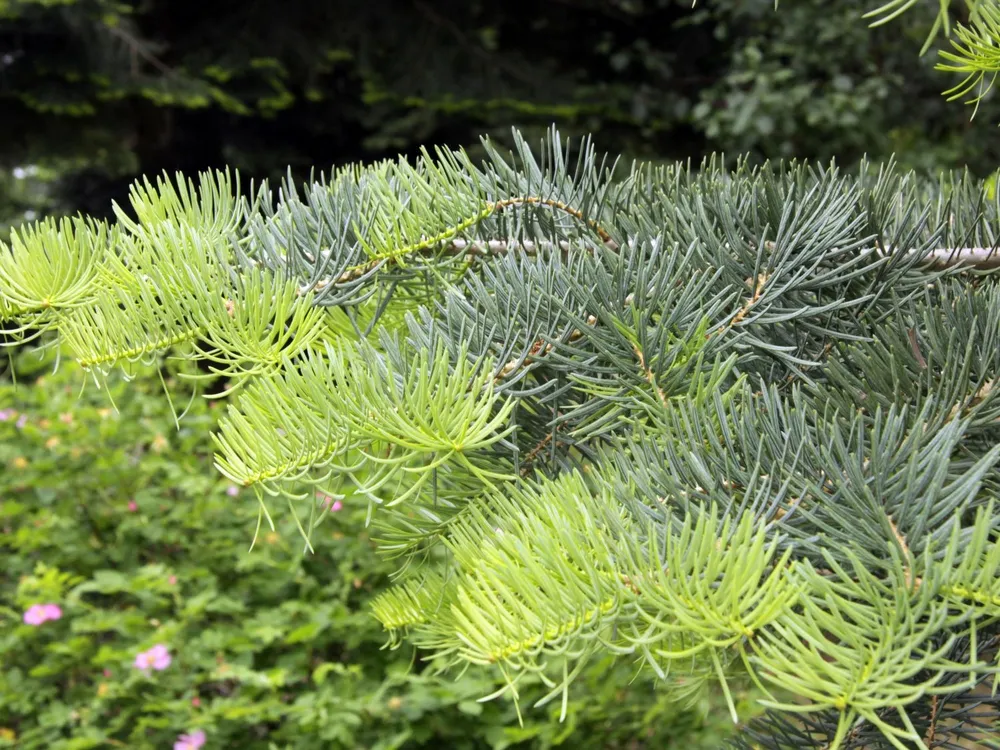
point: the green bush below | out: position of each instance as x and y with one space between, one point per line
118 518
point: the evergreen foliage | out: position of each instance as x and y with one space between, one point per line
734 425
975 52
973 49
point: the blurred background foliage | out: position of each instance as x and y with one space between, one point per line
99 91
121 520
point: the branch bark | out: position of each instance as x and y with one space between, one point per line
978 258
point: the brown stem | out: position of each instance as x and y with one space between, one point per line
932 727
907 572
758 292
455 246
538 348
533 453
648 373
531 200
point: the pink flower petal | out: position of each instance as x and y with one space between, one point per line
159 657
35 614
337 505
52 611
191 741
133 506
172 580
21 421
232 490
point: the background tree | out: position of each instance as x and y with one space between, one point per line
103 91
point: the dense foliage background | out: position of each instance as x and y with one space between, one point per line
120 520
104 90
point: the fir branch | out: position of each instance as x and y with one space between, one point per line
461 247
753 410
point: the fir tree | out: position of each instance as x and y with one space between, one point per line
736 425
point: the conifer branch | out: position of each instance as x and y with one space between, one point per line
748 386
440 242
979 258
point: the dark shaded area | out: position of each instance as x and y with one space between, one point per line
108 91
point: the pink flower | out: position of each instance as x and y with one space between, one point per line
191 741
232 490
21 421
329 503
107 672
172 580
36 614
52 611
6 414
133 506
196 701
157 658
